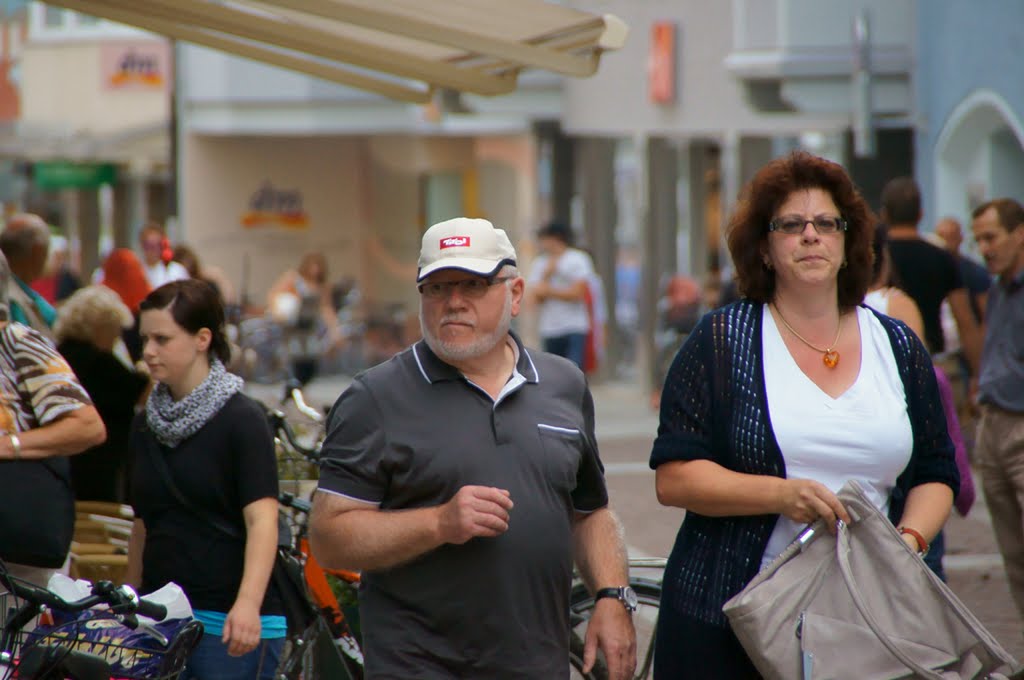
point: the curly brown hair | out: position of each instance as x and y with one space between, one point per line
767 191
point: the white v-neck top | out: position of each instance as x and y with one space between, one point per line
864 434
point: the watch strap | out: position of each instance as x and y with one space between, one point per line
608 592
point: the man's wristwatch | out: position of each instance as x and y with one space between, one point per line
625 595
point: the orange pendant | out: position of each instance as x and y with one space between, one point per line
830 358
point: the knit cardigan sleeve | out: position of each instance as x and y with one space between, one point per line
685 423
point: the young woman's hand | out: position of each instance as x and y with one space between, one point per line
242 628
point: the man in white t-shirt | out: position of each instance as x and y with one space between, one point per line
558 284
158 270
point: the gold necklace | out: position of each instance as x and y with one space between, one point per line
830 357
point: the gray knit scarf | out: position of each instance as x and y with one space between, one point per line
175 421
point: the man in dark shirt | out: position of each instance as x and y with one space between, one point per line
462 477
999 230
976 278
926 272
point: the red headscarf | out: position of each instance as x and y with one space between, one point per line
123 273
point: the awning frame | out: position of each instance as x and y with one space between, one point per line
298 35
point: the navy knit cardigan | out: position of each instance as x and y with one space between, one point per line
714 407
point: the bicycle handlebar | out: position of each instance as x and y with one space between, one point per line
120 599
290 501
280 425
293 393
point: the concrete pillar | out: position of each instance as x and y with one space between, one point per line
730 173
695 167
659 251
560 152
89 228
597 178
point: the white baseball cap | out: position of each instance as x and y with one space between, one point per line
469 244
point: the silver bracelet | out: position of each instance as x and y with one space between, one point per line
15 446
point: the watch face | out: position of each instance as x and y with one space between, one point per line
629 598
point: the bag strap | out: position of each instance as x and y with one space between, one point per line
843 559
156 456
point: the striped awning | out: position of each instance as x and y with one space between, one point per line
403 49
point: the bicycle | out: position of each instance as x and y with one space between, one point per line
64 644
327 644
645 620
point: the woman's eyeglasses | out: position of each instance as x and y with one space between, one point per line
470 288
795 224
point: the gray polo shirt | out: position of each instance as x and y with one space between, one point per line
411 432
1001 382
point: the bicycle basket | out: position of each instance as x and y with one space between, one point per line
132 654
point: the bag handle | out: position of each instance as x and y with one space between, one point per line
843 559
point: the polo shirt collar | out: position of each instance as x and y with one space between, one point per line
433 369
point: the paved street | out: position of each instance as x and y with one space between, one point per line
626 428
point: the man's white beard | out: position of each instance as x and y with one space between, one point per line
453 352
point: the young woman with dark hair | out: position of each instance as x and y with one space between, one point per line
205 487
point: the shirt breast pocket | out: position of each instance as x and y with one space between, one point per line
563 449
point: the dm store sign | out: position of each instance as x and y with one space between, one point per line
142 66
270 207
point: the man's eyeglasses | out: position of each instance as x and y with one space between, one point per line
795 224
470 288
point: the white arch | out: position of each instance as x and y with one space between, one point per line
964 141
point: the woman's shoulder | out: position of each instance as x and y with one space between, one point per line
242 405
737 319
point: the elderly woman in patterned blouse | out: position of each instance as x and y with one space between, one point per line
45 416
775 401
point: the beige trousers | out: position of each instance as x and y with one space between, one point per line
999 451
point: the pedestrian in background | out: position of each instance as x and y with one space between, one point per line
25 241
883 296
89 326
558 285
45 416
976 278
998 228
775 401
461 477
156 256
124 274
204 488
927 273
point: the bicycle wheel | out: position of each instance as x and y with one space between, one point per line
645 619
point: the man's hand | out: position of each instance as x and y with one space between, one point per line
611 629
475 511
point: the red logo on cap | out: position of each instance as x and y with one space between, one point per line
455 242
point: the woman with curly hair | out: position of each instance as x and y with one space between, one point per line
776 400
89 325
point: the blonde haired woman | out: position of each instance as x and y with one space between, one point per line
88 328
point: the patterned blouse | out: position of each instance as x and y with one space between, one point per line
36 385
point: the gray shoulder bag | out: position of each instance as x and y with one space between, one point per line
860 604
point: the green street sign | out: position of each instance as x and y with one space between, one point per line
64 175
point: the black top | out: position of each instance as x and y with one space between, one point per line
977 280
410 433
227 465
114 389
928 274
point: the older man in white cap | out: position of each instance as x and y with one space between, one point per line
461 477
